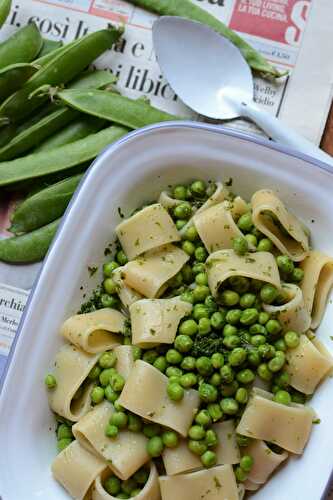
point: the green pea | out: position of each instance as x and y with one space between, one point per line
161 364
180 192
187 274
187 296
273 326
240 474
285 264
197 447
121 257
94 373
175 392
268 293
97 395
117 382
265 245
183 210
196 432
251 240
191 234
123 495
267 351
239 284
215 380
201 279
245 376
246 463
183 343
188 327
117 406
227 374
128 486
245 223
282 397
111 431
229 298
291 339
204 326
188 363
208 459
134 423
173 371
141 476
208 393
155 447
170 439
173 357
211 438
249 316
210 304
200 311
63 443
107 360
282 379
180 223
264 372
199 267
298 397
228 390
229 330
247 300
110 394
240 245
112 485
64 432
151 430
204 365
217 320
50 381
198 188
119 419
200 292
254 357
242 441
237 356
229 406
105 376
217 360
241 395
276 364
233 316
188 380
297 275
263 318
231 341
215 412
200 254
108 301
188 247
109 267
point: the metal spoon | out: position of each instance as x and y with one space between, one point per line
211 76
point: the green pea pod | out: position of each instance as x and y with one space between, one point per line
49 46
30 247
54 121
44 207
22 47
5 6
7 134
44 59
59 159
188 10
114 107
78 129
66 66
13 77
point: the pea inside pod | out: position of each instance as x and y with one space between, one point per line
44 207
70 62
31 247
5 6
21 47
114 107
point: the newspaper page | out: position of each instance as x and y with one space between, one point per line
279 29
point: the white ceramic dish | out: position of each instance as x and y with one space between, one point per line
128 173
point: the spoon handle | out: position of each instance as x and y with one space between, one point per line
282 133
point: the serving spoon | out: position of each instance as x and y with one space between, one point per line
211 76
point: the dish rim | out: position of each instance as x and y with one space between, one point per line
186 124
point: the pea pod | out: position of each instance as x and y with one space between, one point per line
54 121
67 65
44 59
78 129
13 77
22 47
30 247
49 46
45 206
59 159
114 107
5 6
188 10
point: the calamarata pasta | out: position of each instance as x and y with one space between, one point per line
156 388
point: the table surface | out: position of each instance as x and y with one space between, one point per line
327 141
